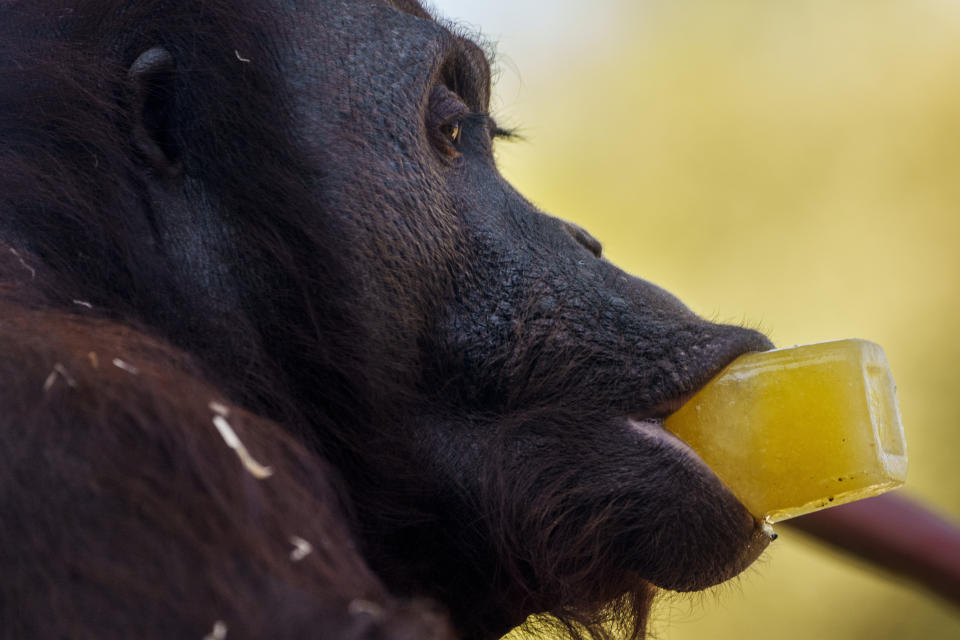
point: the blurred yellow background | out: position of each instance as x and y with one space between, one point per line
791 165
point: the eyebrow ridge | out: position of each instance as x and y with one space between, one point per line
466 70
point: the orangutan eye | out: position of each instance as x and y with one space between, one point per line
446 117
452 130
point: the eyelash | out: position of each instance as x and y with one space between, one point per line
451 115
496 132
501 133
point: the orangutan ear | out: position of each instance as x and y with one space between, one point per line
152 82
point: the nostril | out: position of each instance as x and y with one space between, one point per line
580 235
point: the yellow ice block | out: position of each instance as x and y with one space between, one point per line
795 430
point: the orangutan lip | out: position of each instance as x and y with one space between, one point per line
706 372
650 426
657 413
663 410
653 429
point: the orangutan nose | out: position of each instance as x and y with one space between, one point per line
580 235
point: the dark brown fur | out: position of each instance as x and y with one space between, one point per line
256 205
